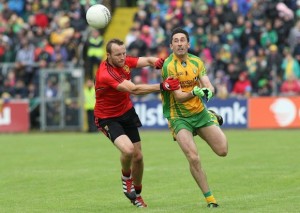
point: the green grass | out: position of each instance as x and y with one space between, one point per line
77 172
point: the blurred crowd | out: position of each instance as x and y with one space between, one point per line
39 34
249 47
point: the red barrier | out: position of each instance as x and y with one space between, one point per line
274 112
14 116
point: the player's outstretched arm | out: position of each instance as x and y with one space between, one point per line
157 63
170 84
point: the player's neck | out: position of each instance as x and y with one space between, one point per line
110 63
182 58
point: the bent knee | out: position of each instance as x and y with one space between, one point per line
138 158
222 151
128 152
222 148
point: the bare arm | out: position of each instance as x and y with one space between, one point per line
139 89
146 61
205 82
185 96
182 96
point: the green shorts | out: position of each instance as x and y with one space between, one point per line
192 123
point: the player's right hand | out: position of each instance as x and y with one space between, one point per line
170 84
159 63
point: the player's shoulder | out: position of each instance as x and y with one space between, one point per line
105 70
169 60
195 59
130 58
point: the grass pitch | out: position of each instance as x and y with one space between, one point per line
78 172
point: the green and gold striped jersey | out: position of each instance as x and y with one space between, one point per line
188 73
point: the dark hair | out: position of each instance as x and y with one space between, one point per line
179 30
111 42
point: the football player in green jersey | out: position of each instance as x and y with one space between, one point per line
186 111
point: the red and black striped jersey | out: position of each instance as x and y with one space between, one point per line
109 101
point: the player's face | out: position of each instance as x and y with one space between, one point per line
180 44
117 55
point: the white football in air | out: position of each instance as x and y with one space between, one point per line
98 16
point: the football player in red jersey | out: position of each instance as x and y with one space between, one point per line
115 115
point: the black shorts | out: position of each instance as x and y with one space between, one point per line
127 124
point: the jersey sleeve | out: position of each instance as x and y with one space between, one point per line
202 69
114 82
168 69
131 61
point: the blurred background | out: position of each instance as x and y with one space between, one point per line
49 56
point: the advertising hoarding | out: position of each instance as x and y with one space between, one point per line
274 112
14 116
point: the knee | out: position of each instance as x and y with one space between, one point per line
138 158
128 152
222 151
194 159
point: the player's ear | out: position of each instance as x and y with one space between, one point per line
189 44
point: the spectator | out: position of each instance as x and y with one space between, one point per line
226 31
131 36
59 53
252 66
264 88
16 6
239 27
221 83
269 36
146 36
290 65
157 33
282 30
25 58
252 45
89 103
198 40
290 86
6 11
242 87
244 6
77 20
215 27
235 48
214 44
20 90
139 44
233 73
247 34
93 52
294 34
142 17
296 52
51 88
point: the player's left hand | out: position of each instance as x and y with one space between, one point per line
159 63
203 92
